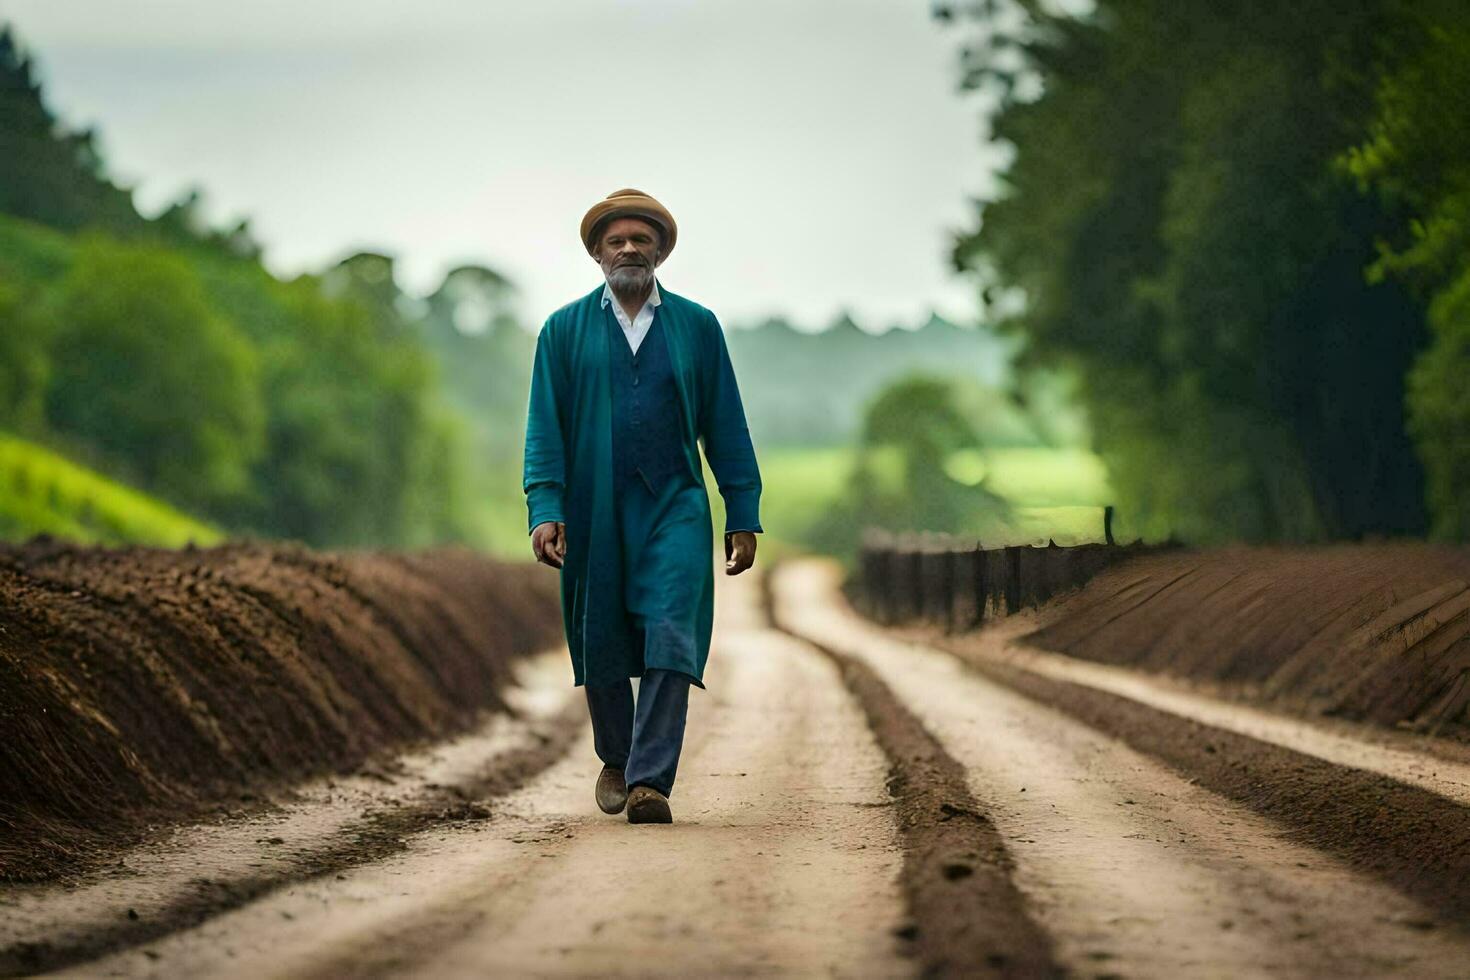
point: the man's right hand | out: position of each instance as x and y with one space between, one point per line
549 542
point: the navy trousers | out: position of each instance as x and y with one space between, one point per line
643 741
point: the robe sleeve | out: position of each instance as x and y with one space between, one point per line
726 439
544 477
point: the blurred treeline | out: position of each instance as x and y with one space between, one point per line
1247 227
805 387
161 352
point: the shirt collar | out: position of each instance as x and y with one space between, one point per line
653 297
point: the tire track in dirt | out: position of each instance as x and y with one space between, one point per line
782 859
1141 868
1438 766
1412 838
967 918
78 936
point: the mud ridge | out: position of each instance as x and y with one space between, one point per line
967 917
1411 838
143 687
1377 633
378 835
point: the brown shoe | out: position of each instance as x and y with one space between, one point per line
612 792
648 805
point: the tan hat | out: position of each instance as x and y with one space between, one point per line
629 203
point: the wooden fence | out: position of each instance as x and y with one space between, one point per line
958 585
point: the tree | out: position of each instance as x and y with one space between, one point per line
24 362
1415 160
917 423
1183 241
354 443
145 371
46 175
484 359
312 410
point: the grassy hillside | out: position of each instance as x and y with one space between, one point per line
44 493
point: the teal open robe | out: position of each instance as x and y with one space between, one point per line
569 469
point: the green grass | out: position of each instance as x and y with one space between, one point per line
798 485
1053 494
1044 477
44 493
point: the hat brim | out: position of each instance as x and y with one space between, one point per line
641 206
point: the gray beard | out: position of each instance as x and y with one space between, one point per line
630 280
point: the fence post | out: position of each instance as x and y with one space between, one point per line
948 577
967 598
913 566
930 577
1013 579
977 583
931 568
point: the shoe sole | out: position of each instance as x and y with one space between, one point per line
650 811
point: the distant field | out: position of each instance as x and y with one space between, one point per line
42 492
1053 493
798 484
1048 477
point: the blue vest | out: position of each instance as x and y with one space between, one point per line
647 429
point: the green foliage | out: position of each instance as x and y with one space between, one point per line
335 410
901 479
32 254
24 366
144 370
1439 398
917 418
47 175
43 493
162 351
1416 161
1173 228
483 359
348 434
1416 154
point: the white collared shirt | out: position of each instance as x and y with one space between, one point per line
638 329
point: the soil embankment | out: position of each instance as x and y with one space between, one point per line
1376 633
140 686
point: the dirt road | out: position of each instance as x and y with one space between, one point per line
849 803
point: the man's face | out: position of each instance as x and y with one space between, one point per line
628 252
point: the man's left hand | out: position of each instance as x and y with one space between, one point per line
739 551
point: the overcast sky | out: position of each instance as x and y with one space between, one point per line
815 153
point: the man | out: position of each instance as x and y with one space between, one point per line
627 380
